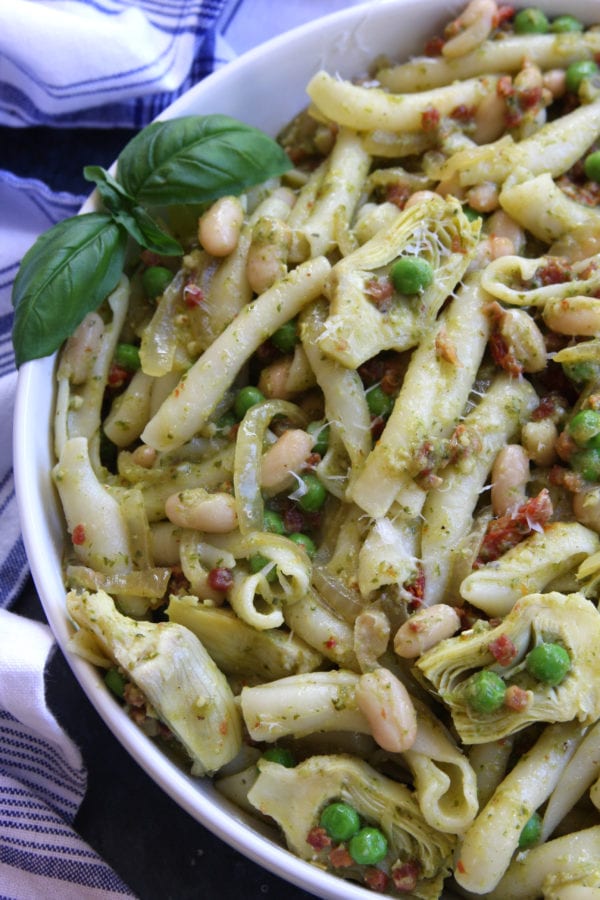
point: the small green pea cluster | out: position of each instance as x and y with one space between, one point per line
533 20
366 845
584 428
548 663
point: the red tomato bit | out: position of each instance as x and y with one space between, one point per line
516 698
376 880
509 530
503 650
220 578
340 858
406 876
78 535
318 838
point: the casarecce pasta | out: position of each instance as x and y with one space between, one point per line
333 490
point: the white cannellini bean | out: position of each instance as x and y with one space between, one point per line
81 349
268 253
490 119
273 378
489 249
501 225
539 440
286 455
198 509
426 628
219 227
573 315
510 474
483 197
524 339
385 703
555 81
451 186
144 456
419 197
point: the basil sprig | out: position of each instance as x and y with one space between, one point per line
74 265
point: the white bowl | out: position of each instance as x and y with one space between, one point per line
265 88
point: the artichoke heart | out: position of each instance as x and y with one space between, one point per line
570 621
295 798
174 672
438 232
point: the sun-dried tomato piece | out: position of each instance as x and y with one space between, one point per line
516 698
406 876
503 650
509 530
318 838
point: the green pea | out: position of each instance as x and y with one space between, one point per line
115 682
379 403
246 398
273 522
411 274
548 663
321 434
226 422
281 756
303 540
340 821
368 846
257 563
286 337
315 495
591 166
155 280
128 356
531 21
531 833
485 692
584 425
581 371
578 71
587 463
471 214
566 23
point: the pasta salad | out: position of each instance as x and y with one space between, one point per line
329 460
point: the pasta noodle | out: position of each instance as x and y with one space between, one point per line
334 526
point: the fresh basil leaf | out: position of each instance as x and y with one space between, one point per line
66 274
103 179
131 216
146 232
194 159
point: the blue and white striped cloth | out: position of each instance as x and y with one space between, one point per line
101 63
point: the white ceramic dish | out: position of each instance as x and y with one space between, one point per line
265 88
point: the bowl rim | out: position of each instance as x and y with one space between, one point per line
39 511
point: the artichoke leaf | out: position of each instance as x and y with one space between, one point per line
295 798
436 230
569 620
174 672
